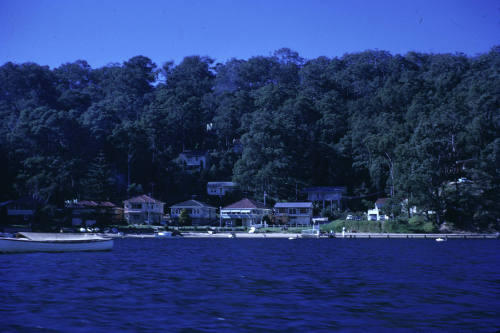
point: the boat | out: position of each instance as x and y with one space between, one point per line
54 242
310 233
440 239
163 234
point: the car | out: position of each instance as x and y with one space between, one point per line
349 217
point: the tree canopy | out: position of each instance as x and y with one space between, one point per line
419 128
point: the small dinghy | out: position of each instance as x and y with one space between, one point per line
54 242
440 239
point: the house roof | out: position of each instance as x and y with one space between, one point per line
381 201
245 204
325 189
293 205
231 184
22 201
191 203
89 203
143 199
192 153
5 203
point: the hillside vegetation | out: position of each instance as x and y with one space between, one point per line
421 127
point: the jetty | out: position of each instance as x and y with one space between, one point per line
412 236
346 235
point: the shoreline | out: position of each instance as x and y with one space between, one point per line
326 236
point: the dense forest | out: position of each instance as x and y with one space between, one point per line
422 129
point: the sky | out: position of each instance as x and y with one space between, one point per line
53 32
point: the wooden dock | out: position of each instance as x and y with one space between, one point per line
412 236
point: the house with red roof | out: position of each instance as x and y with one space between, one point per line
246 212
88 212
143 210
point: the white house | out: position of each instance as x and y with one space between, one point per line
199 212
143 210
220 188
294 212
245 212
375 214
193 160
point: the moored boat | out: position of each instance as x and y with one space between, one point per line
310 233
54 242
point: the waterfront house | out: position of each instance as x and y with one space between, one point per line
323 194
143 210
245 212
20 211
220 188
193 160
199 212
88 212
237 147
293 212
375 214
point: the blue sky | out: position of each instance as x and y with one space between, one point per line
52 32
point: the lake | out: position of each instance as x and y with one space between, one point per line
214 285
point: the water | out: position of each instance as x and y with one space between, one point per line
214 285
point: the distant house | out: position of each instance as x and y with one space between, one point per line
220 188
375 214
20 211
193 160
245 212
199 212
237 147
323 194
87 212
294 212
143 210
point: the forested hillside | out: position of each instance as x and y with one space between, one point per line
421 127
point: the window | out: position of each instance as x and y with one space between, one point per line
136 206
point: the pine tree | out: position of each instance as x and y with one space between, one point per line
98 182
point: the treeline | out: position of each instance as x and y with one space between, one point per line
419 128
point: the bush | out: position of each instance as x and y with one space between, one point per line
420 224
352 225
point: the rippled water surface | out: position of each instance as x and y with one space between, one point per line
151 285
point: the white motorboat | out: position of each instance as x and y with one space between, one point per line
54 242
163 234
310 233
440 239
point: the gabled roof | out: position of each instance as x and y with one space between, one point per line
293 205
5 203
191 203
88 204
143 199
193 153
231 184
245 204
325 189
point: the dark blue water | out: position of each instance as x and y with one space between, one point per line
151 285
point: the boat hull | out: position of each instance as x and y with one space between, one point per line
12 245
